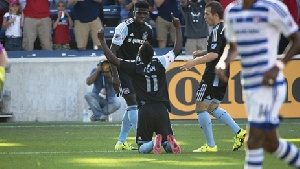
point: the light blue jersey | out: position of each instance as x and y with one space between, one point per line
257 31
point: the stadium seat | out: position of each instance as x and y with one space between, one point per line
111 15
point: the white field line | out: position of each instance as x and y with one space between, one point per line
110 125
187 151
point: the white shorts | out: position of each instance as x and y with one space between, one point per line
263 105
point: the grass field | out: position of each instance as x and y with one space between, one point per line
72 145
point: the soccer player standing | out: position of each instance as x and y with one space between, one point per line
149 81
211 91
253 30
129 36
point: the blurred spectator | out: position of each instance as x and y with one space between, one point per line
109 2
164 23
12 22
294 8
61 24
3 9
196 29
86 22
123 13
37 22
101 106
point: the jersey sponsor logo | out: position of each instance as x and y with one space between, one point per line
134 40
247 31
213 46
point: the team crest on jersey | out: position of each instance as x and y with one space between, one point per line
145 35
257 19
126 91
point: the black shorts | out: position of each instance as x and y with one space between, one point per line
207 91
153 117
126 83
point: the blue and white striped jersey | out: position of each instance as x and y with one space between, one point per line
257 31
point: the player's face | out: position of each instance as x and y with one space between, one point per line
209 18
141 15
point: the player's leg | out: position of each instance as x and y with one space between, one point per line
263 120
202 102
163 130
145 129
254 151
93 101
130 116
280 148
223 116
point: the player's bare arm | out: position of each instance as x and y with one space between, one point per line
115 77
198 53
270 76
199 60
178 39
107 52
224 62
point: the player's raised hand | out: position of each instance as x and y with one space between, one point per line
176 21
101 33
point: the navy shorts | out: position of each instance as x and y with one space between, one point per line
153 117
126 84
207 92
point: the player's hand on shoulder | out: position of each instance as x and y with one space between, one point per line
176 21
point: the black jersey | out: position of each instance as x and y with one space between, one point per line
216 44
129 37
149 80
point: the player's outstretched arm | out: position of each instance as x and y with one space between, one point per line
107 52
178 39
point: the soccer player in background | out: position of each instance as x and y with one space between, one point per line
253 30
149 81
211 91
129 36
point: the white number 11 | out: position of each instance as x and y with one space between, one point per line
155 85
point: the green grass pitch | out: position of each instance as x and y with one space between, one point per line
69 145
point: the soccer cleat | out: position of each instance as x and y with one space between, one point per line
239 140
206 148
124 146
157 145
174 146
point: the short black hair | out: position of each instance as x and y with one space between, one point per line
146 52
141 4
216 8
